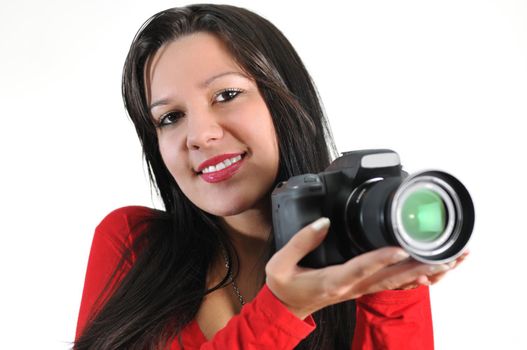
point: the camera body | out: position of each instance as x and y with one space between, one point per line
362 193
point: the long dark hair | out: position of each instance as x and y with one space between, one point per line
162 292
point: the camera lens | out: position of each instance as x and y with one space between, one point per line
432 216
423 215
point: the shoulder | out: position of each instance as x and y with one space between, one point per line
122 226
127 217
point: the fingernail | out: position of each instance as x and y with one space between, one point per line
400 255
438 268
424 281
452 264
320 224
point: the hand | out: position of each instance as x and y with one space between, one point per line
433 279
306 290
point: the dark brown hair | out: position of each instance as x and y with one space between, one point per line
164 289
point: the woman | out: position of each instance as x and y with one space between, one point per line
225 110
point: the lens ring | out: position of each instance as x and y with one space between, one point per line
453 208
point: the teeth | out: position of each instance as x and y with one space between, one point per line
222 165
209 169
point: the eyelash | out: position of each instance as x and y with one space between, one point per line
229 91
162 121
179 114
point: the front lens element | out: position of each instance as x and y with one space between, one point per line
423 215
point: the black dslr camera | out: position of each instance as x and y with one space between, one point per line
373 203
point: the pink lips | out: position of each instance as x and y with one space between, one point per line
220 175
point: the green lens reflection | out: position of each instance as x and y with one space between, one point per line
423 215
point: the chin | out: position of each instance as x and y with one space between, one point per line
233 208
230 211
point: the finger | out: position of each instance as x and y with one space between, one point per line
420 281
423 280
458 261
366 264
303 242
452 265
397 276
462 257
437 277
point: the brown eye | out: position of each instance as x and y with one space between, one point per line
227 95
170 118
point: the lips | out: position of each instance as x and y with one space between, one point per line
224 173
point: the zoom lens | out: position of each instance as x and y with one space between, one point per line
432 216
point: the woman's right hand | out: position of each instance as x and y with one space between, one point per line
306 290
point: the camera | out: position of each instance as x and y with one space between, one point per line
373 203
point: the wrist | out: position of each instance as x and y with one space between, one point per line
300 313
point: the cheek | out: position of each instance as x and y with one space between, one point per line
255 123
173 160
271 144
264 134
269 140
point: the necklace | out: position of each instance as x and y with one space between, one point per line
231 278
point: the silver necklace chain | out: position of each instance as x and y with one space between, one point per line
231 278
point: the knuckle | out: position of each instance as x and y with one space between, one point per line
331 292
390 284
356 290
361 271
334 291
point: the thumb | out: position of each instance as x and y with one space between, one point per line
303 242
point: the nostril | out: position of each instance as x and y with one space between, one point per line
203 136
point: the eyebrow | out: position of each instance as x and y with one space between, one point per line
204 84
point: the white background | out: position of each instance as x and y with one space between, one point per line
444 83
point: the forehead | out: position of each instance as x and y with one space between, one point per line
188 60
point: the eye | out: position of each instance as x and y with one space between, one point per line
226 95
169 118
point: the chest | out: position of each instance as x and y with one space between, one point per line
216 310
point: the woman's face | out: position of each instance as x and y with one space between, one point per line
215 132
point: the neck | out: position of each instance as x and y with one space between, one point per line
249 233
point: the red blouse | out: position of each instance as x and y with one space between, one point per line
385 320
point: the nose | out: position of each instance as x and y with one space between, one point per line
203 130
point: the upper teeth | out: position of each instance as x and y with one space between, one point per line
222 165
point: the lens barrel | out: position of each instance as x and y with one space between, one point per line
430 214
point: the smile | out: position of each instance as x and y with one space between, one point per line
221 170
222 165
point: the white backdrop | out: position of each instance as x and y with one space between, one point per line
444 83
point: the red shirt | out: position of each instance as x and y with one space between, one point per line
386 320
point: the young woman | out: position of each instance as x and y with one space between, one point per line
225 110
